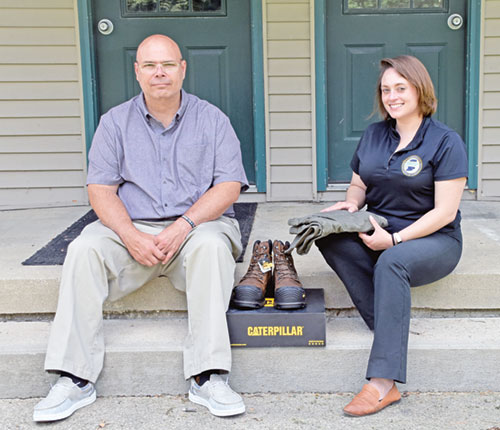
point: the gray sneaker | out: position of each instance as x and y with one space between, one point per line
217 396
64 398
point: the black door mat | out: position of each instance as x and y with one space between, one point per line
54 252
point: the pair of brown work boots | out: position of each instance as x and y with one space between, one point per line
260 279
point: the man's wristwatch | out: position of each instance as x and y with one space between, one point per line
396 238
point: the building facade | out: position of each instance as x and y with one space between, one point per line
296 78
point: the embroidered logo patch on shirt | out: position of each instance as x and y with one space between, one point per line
412 165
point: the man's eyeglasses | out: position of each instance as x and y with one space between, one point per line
166 66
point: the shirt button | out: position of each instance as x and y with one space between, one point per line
165 205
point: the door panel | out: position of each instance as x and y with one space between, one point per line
209 62
215 43
359 37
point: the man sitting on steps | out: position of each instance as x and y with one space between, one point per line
164 170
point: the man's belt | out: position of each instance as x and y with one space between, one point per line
170 218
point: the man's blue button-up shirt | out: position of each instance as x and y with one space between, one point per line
162 172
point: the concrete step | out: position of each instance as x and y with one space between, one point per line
144 357
24 290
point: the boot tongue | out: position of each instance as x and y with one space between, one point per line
284 261
259 263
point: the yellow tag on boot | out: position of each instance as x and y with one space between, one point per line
265 265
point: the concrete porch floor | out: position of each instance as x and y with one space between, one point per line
456 320
474 285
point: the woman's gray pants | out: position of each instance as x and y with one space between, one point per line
379 285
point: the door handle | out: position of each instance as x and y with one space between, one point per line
455 21
105 26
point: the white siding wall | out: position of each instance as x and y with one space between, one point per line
490 107
42 158
289 87
42 154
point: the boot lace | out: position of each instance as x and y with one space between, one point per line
254 271
283 264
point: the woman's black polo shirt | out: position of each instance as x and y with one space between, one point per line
400 186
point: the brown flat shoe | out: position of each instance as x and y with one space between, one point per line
367 401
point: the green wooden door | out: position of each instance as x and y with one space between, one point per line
214 37
359 34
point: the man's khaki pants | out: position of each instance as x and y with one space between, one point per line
99 267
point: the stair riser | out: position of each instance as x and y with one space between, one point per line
263 370
144 357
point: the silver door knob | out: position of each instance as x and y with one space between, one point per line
455 21
105 26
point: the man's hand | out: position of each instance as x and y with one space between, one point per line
143 248
171 238
379 240
112 213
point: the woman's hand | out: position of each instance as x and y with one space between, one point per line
354 199
342 206
379 240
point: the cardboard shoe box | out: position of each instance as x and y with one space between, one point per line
271 327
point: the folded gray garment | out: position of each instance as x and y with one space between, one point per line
312 227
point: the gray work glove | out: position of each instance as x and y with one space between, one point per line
312 227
